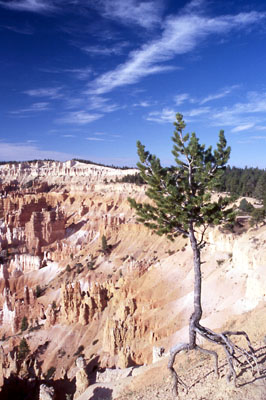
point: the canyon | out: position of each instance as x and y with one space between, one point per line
99 323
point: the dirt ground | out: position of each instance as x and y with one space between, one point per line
202 382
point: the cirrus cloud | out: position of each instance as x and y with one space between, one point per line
78 118
181 34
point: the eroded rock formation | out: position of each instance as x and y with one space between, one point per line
82 381
118 307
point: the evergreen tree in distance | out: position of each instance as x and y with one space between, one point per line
24 324
182 204
104 244
23 349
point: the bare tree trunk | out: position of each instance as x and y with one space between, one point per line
197 313
233 352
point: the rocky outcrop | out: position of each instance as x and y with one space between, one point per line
157 353
113 374
82 307
24 263
8 365
8 315
15 309
44 228
121 306
120 332
32 222
50 315
46 393
55 171
82 381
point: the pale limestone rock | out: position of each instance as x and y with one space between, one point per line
24 263
80 362
46 393
157 353
9 313
3 272
82 380
69 171
37 369
62 374
50 314
111 375
11 365
124 357
120 331
24 371
80 307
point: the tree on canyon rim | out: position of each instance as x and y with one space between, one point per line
182 204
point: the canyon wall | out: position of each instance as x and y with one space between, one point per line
112 306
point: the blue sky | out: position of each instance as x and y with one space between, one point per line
88 78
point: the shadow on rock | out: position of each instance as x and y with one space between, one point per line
92 368
19 389
102 394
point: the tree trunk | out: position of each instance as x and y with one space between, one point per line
197 313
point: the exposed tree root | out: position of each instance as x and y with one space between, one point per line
233 353
176 380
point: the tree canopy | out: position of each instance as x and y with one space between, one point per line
181 194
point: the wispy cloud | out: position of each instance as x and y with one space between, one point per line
166 115
258 137
218 95
260 128
241 116
250 111
252 139
72 102
69 136
102 137
181 98
36 6
101 103
79 73
142 13
195 112
78 118
244 127
185 97
143 104
194 6
116 49
34 108
25 30
52 92
181 34
23 151
95 139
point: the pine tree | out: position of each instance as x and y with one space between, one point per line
246 206
182 204
104 244
24 324
257 216
260 189
23 349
